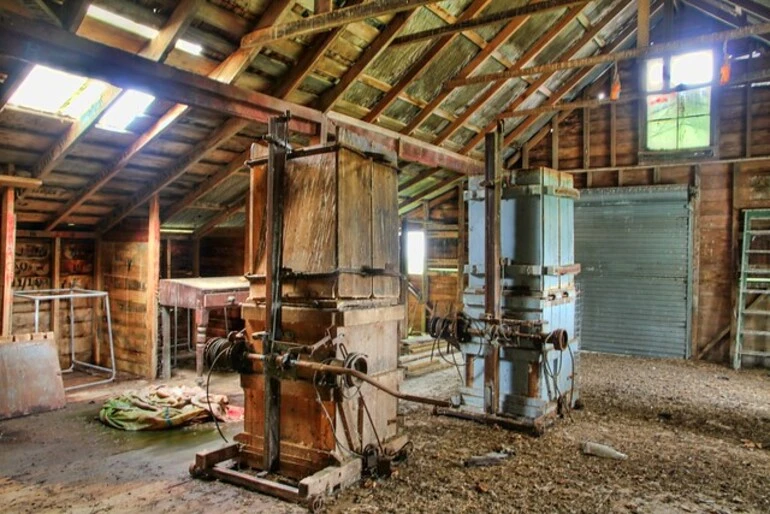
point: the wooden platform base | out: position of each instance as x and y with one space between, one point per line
534 426
310 491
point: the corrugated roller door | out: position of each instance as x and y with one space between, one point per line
634 248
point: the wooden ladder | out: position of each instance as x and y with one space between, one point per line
754 283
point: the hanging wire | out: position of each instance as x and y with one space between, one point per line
208 397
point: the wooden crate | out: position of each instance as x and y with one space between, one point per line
341 228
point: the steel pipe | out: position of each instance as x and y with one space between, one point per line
348 372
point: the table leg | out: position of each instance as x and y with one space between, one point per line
201 321
165 317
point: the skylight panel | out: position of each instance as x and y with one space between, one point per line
190 48
46 89
121 22
77 106
144 31
126 109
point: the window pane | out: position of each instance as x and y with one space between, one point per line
694 132
415 252
654 75
692 69
126 109
46 89
660 107
695 102
77 106
661 135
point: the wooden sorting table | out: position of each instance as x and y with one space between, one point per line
201 295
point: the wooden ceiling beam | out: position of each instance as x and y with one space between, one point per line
534 87
574 81
72 15
723 16
154 50
490 19
758 10
408 148
380 44
326 21
26 39
478 60
421 64
586 62
423 175
224 132
308 61
19 182
191 198
40 10
226 72
532 52
564 110
219 218
432 192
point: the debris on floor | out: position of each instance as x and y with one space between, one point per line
163 407
602 450
490 459
421 355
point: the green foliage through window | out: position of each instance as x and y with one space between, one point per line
681 119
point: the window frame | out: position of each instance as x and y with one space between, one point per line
709 151
411 253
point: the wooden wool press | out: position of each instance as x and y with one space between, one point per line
319 359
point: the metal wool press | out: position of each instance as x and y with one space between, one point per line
517 330
318 361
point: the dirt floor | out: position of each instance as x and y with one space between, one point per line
697 438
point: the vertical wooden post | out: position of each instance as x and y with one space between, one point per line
643 23
276 168
99 327
525 156
461 233
168 258
747 121
8 236
492 197
735 224
196 257
425 282
613 135
56 284
247 240
492 225
165 314
555 142
151 279
404 291
695 312
586 138
255 207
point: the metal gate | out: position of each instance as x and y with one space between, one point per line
634 246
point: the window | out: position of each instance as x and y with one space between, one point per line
415 252
144 31
679 120
72 96
126 109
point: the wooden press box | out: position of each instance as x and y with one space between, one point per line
341 244
341 228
